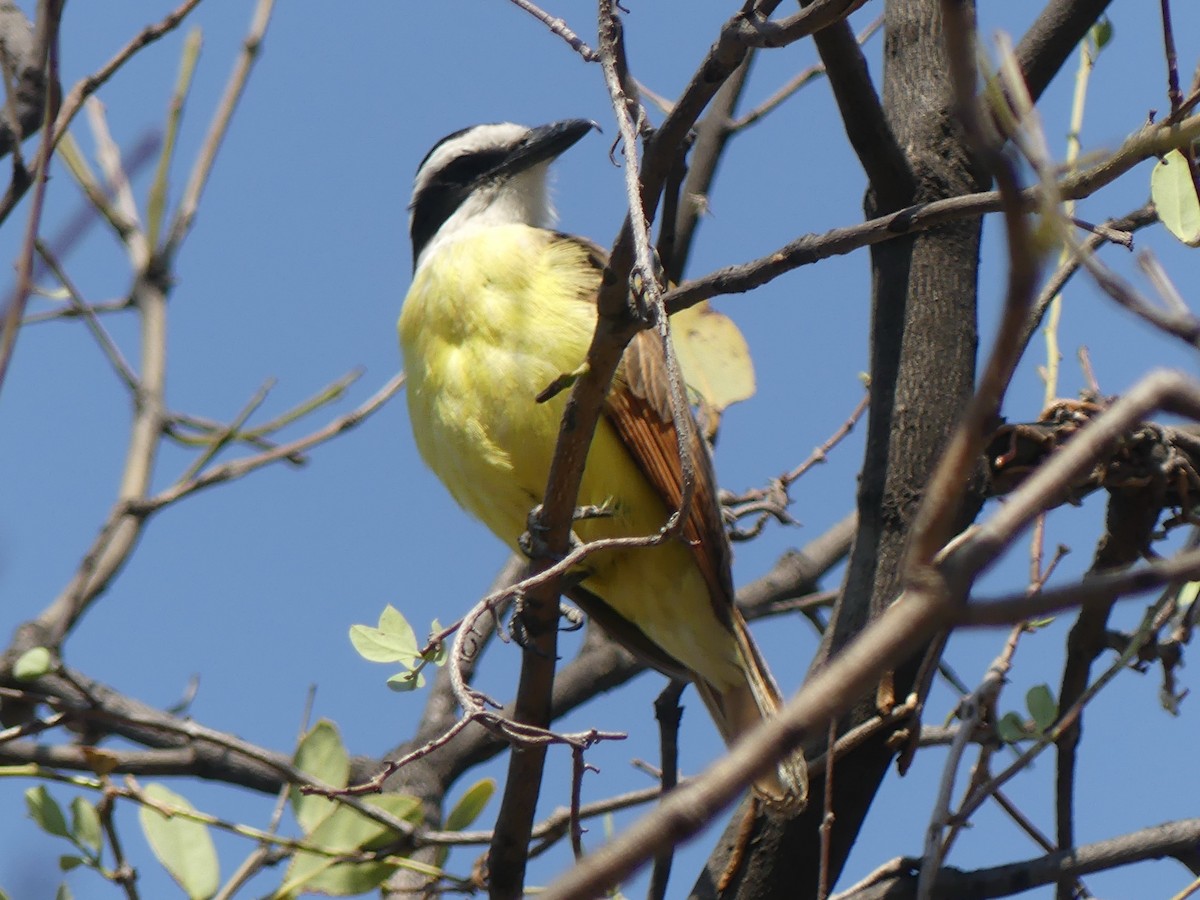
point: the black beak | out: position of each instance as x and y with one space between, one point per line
543 144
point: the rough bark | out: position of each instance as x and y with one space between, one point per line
923 341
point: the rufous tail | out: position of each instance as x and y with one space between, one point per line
738 709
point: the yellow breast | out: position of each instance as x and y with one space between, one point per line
490 321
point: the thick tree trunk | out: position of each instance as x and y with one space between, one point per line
923 343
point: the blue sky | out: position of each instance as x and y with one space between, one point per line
295 272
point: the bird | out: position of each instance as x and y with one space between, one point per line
500 307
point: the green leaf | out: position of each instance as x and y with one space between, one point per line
1042 707
1102 32
439 654
183 846
1174 195
1011 728
33 663
63 893
465 812
68 862
322 755
345 831
714 358
85 825
468 808
406 681
45 810
392 641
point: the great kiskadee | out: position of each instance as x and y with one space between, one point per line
500 307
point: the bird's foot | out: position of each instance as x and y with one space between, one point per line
533 543
572 617
605 510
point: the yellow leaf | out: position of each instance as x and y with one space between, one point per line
715 360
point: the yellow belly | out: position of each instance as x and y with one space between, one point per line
489 322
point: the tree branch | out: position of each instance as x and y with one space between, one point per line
1176 840
1053 37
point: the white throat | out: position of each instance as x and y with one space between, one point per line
523 199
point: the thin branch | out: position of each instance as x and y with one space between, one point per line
559 27
234 89
123 873
87 86
205 427
1150 141
14 306
797 82
1049 42
119 532
554 827
773 500
669 713
239 468
602 664
1174 95
81 308
70 312
1133 221
226 436
825 831
1172 839
713 132
868 128
971 712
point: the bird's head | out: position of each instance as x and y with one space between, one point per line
486 175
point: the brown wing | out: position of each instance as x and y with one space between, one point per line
639 408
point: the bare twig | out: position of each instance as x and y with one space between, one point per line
773 500
971 711
578 768
798 81
81 308
234 89
123 873
669 713
1134 221
827 819
1174 95
14 307
559 26
1150 141
118 535
87 86
1171 839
